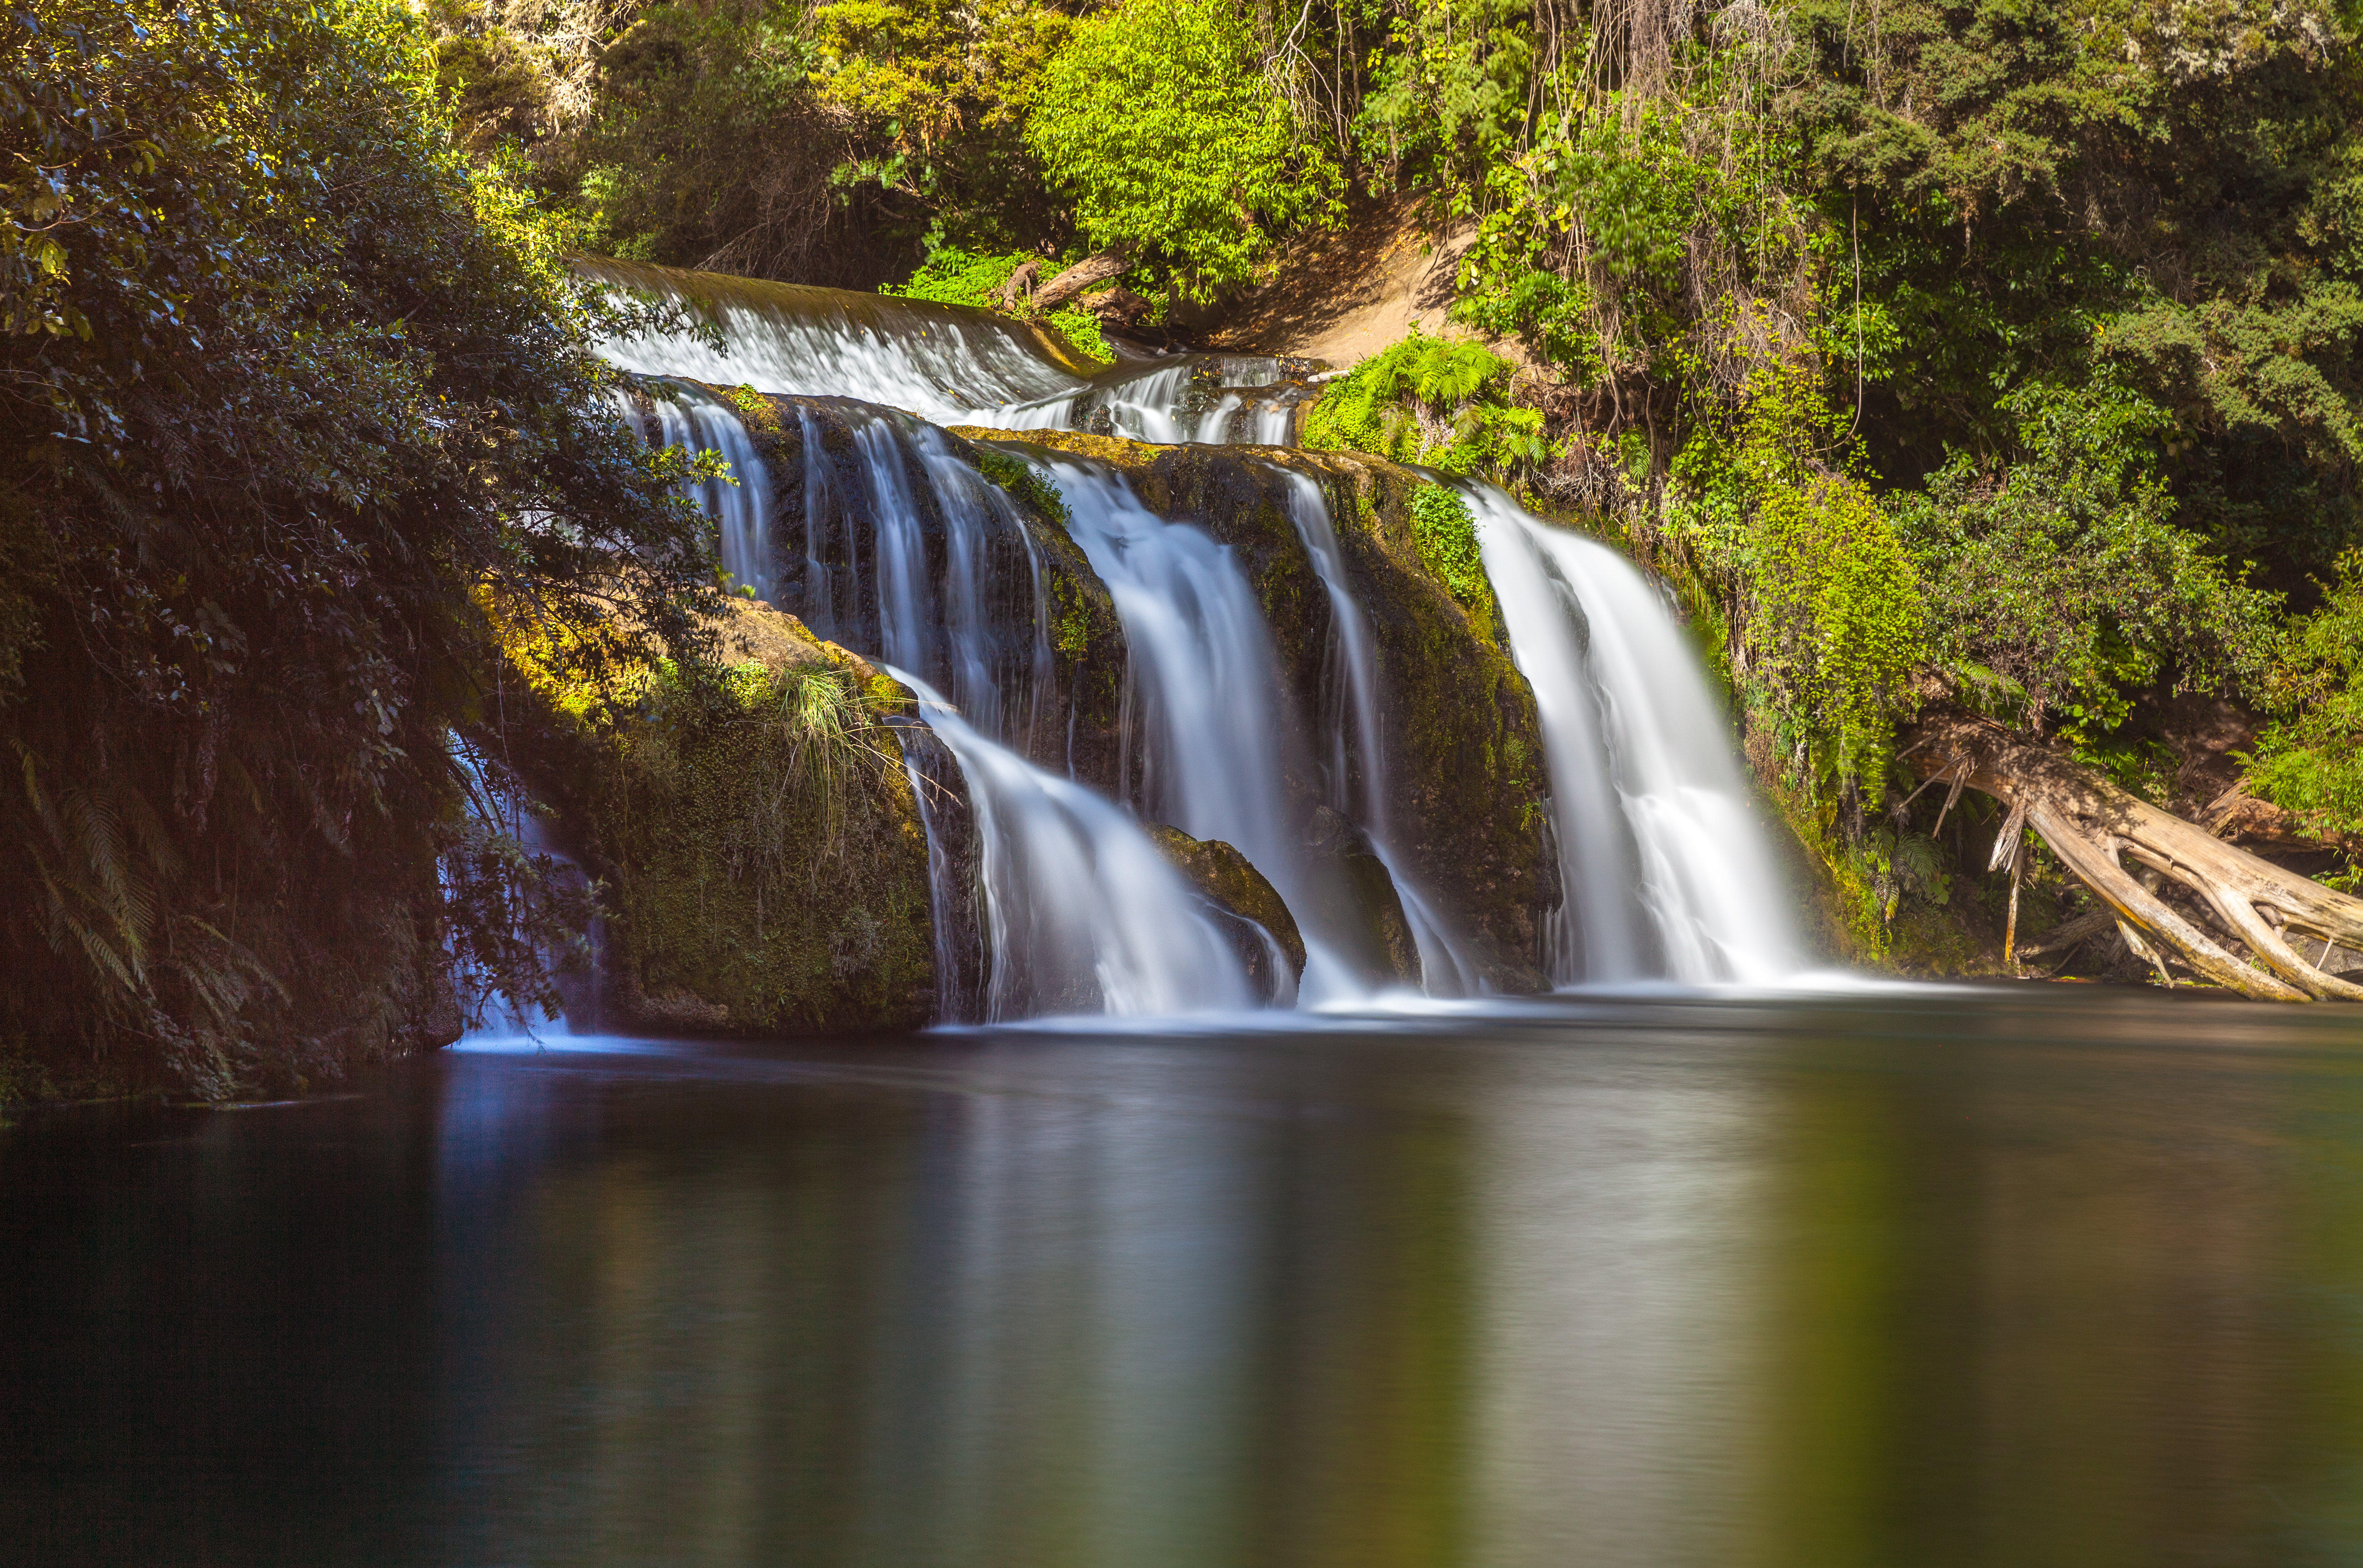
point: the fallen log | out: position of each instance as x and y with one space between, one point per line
2096 829
1081 278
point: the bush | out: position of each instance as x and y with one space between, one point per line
1436 400
292 379
2060 587
2311 758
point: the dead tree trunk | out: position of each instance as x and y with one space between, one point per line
1083 276
2096 829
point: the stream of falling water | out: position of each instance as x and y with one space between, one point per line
1667 872
1445 968
1083 914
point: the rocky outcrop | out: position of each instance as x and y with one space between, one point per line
761 862
1359 897
1224 879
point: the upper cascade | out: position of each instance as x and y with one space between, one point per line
951 364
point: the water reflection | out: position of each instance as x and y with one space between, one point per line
1823 1282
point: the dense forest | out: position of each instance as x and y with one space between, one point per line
1982 359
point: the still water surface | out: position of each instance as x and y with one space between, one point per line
2002 1278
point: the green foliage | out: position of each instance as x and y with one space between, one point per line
1451 89
707 144
1442 402
1155 120
2059 587
291 379
1830 605
1446 536
1024 480
2311 758
1597 230
2170 190
951 276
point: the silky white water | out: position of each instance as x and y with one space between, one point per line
740 504
939 361
1666 869
1358 766
951 364
1202 660
1082 913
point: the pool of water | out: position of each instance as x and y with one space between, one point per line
2026 1276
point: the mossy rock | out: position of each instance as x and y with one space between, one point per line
1227 879
746 891
1364 904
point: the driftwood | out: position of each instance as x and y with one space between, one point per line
2124 849
1018 285
1081 278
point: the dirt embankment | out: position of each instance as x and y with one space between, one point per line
1341 295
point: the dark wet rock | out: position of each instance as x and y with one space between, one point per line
1227 879
1382 950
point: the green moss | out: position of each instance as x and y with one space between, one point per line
762 415
1446 536
1024 480
758 849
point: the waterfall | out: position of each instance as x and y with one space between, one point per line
1445 968
951 364
1667 871
740 506
910 555
1215 733
1209 399
944 362
1082 913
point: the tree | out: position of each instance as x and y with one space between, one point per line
1157 121
284 384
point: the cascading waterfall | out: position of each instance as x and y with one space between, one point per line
1444 967
1166 403
690 416
1668 872
978 625
1083 914
1214 734
946 363
1665 871
939 361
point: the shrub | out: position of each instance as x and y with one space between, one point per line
1157 121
